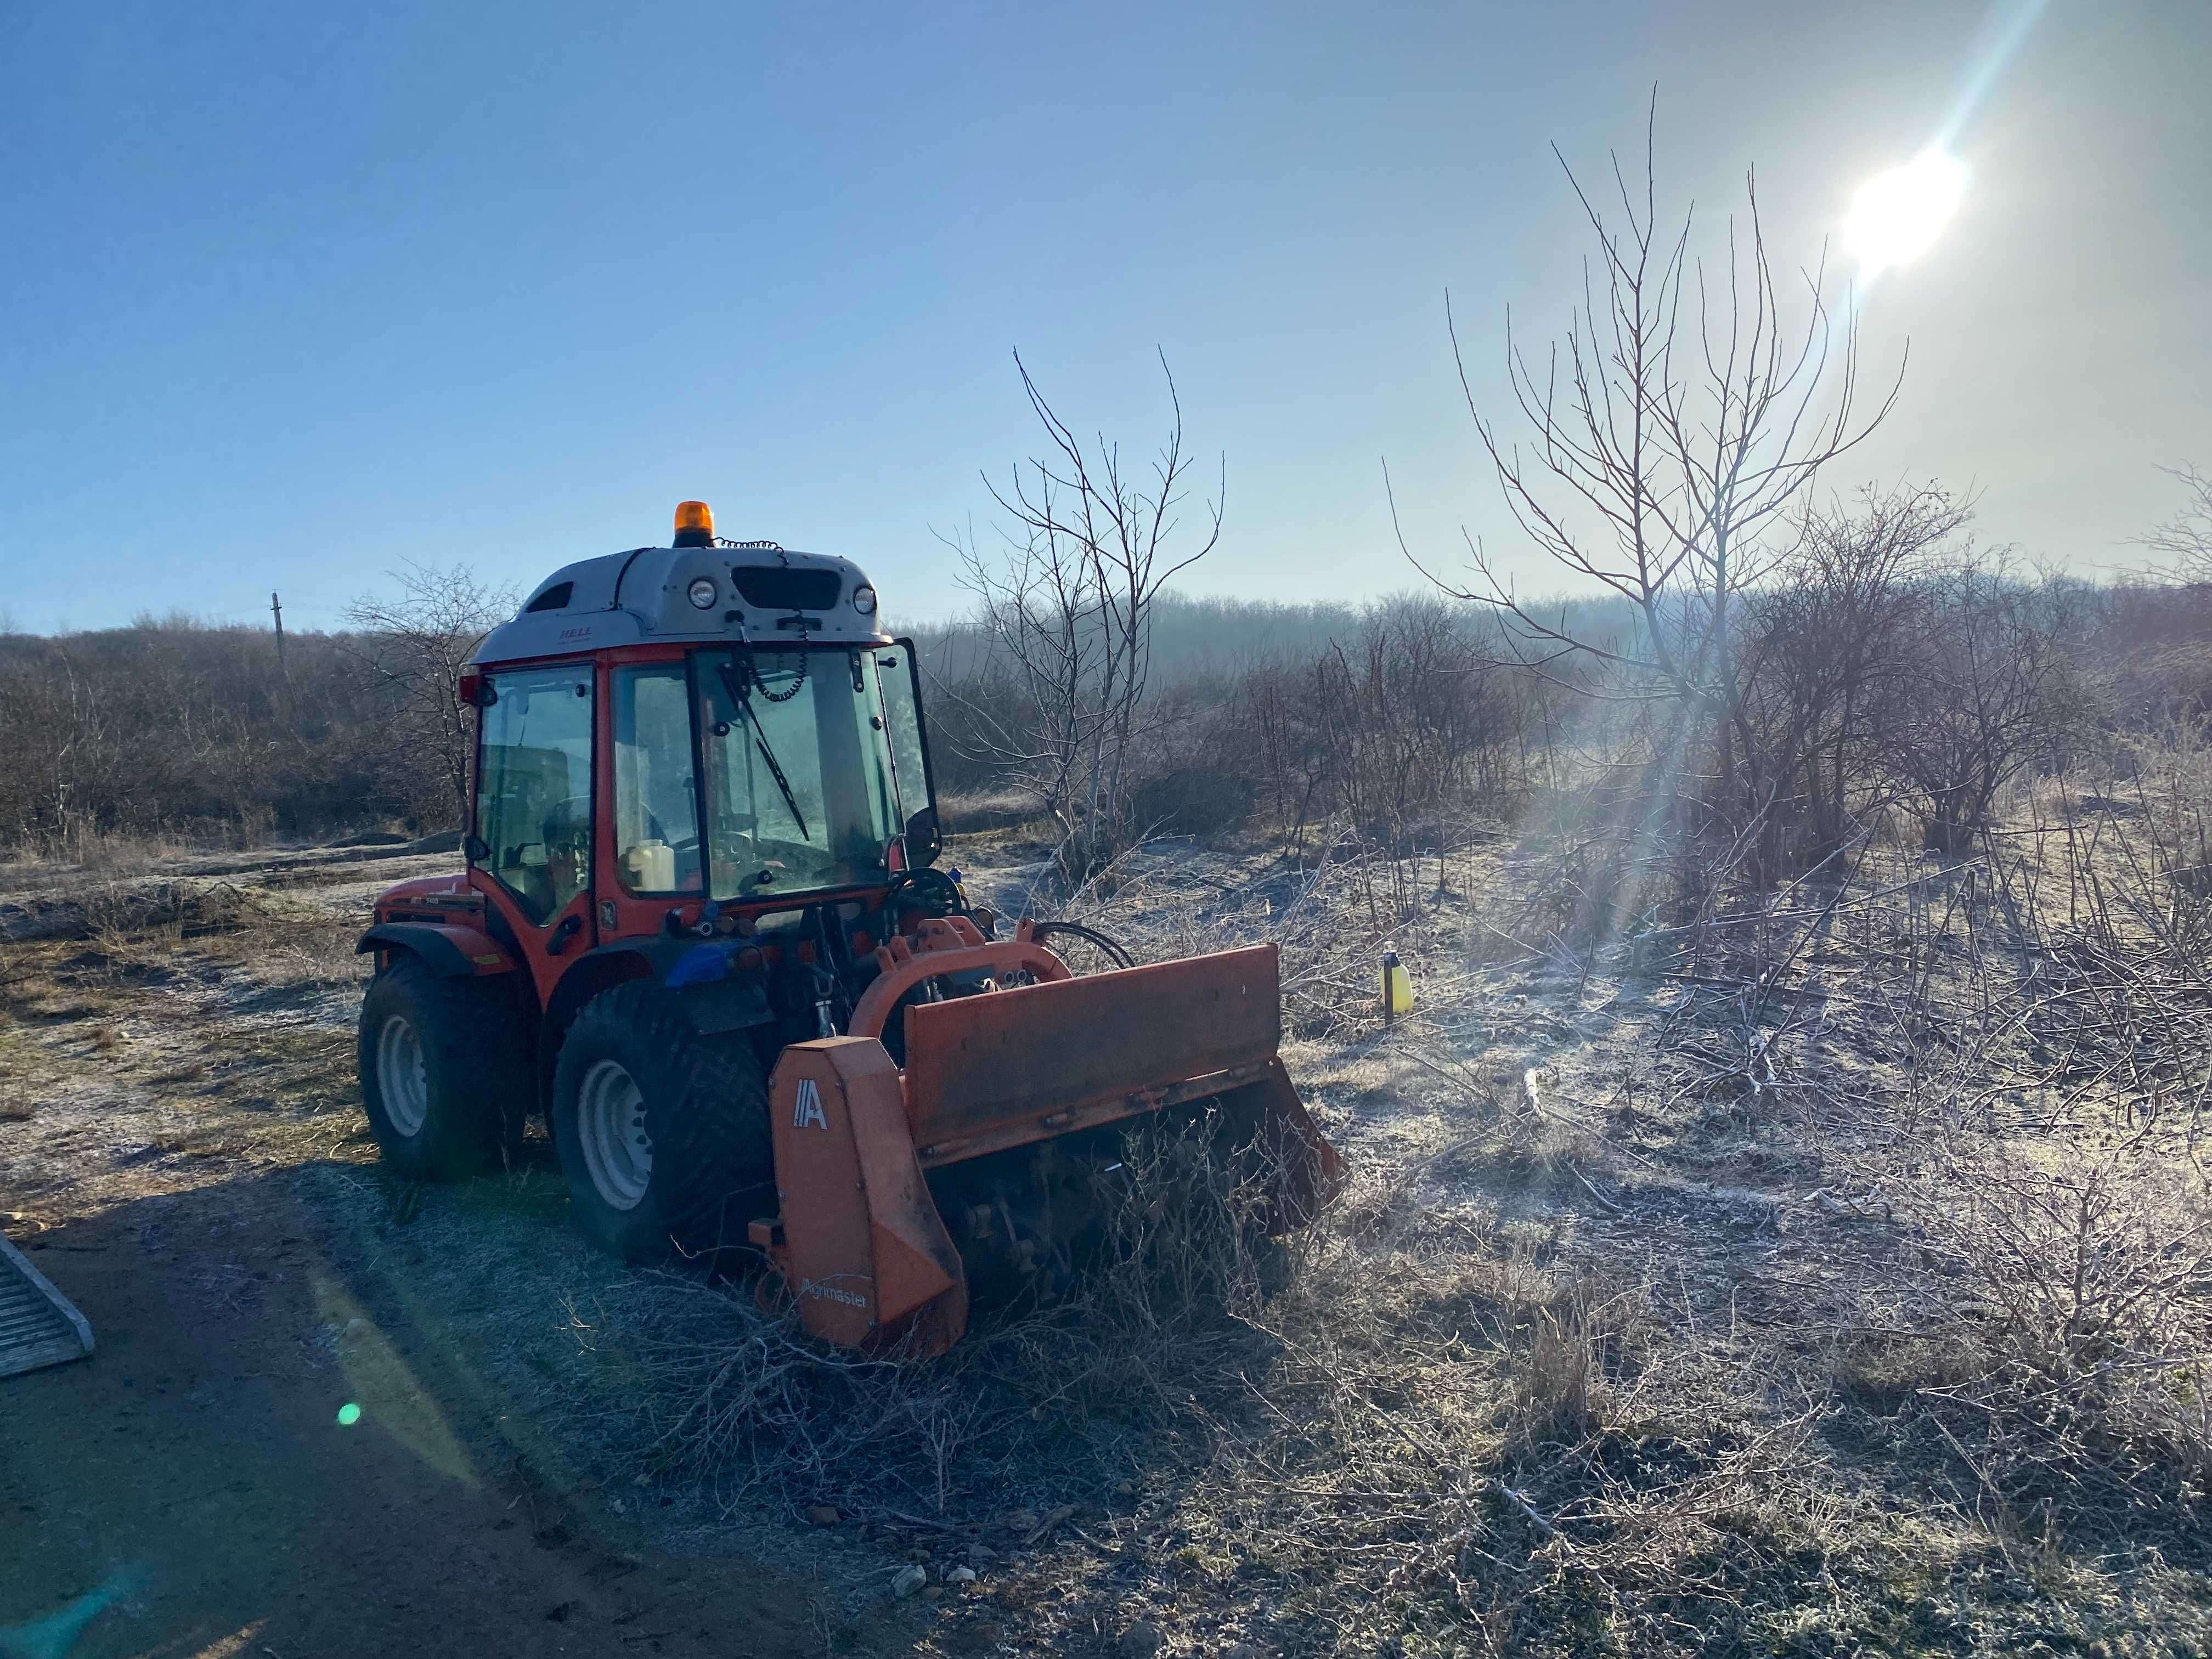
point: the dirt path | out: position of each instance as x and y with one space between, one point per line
198 1458
181 1152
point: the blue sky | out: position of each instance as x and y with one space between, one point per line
290 293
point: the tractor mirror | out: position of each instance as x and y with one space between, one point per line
476 849
923 840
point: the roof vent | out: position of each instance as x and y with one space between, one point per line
555 598
774 587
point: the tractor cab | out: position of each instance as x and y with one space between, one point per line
678 745
670 778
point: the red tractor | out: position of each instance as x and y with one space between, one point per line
702 930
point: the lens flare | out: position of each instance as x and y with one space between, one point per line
348 1414
1897 214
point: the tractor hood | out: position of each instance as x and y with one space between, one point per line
751 591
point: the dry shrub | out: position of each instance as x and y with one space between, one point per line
1385 1434
1560 1392
172 908
2088 1290
115 912
1605 883
982 812
81 847
1332 918
191 734
1034 1402
1474 1452
2084 1268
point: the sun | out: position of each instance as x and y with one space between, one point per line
1896 214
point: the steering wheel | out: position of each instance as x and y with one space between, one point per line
929 889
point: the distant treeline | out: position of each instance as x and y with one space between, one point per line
1384 718
183 728
1396 721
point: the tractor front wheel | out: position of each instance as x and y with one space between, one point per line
663 1133
444 1077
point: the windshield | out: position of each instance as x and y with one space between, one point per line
802 790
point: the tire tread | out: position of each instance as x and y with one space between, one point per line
714 1159
475 1060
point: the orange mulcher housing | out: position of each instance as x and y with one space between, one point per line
699 932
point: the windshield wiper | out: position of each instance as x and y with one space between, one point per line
742 697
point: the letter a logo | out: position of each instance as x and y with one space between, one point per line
806 1110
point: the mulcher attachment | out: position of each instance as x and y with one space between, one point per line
861 1243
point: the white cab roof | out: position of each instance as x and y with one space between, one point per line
761 594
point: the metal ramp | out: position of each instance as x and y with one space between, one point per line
39 1326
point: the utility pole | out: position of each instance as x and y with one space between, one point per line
276 609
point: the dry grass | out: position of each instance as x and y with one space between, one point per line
83 849
1036 1400
1332 912
1830 1276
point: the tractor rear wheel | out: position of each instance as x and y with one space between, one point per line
444 1073
663 1133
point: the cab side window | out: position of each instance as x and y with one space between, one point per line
656 809
534 786
902 707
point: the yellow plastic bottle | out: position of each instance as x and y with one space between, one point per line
1397 987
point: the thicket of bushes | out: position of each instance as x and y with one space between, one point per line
1395 723
1301 721
177 727
1924 691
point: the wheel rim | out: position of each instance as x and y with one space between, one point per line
401 1077
610 1127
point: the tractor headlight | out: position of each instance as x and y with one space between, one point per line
703 594
864 601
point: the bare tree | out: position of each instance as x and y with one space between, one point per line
1681 421
415 644
1827 665
2187 537
1069 602
1992 694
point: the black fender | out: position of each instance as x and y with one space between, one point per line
458 952
453 952
717 996
733 1003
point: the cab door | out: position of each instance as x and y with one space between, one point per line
534 810
653 856
899 675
